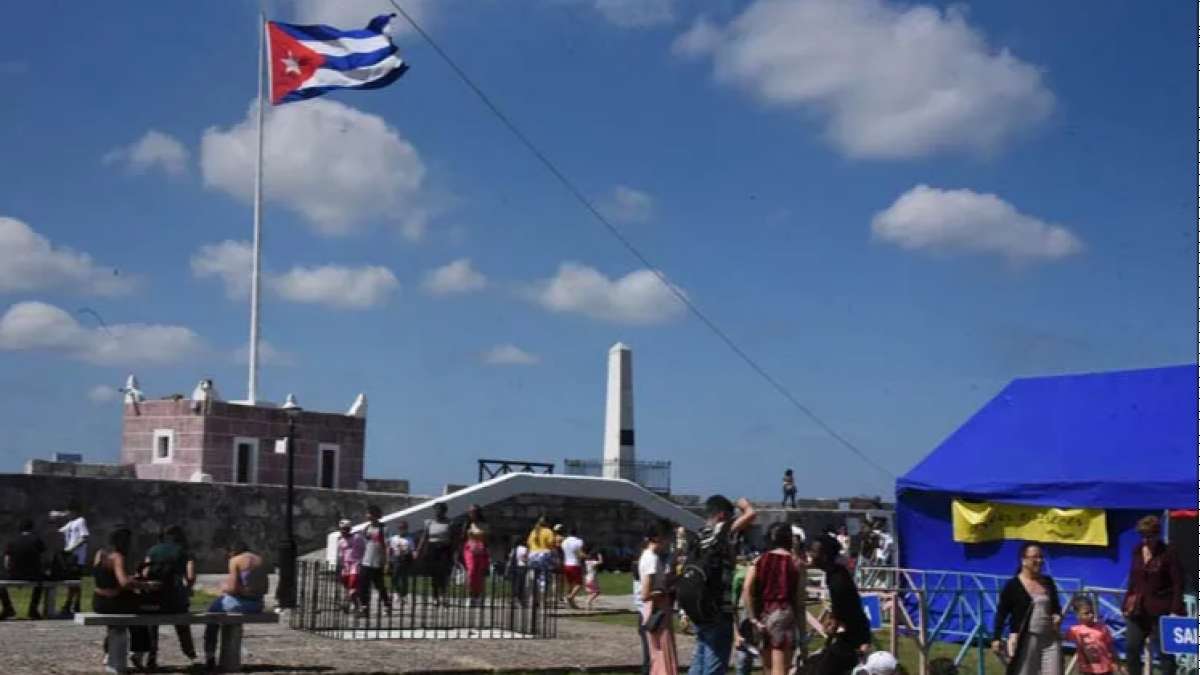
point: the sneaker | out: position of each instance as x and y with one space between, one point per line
136 658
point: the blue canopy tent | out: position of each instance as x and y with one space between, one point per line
1121 441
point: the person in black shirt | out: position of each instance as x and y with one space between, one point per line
848 627
23 562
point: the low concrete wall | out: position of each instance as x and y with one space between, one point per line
211 513
43 467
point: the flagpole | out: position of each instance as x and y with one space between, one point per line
256 273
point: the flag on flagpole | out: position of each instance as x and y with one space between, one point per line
307 61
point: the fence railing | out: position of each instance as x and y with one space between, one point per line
491 468
654 476
425 606
931 606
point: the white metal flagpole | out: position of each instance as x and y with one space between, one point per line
255 291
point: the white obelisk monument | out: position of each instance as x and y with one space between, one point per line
619 454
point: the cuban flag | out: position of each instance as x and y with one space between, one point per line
307 61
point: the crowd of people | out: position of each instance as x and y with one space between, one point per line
374 558
161 580
1028 631
742 605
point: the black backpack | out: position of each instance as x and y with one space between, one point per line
698 585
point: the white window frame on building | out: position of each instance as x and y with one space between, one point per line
159 436
251 465
337 460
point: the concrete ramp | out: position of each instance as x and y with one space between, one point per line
510 485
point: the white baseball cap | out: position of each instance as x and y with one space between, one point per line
881 663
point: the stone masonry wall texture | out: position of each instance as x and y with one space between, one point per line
211 513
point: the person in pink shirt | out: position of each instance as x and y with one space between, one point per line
350 549
1095 651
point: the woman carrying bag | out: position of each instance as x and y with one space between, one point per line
1030 608
1155 589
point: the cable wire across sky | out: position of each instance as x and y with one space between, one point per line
616 233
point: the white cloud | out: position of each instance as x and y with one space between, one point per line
268 355
454 277
927 218
636 298
336 286
352 14
153 149
509 355
28 262
103 394
636 13
336 166
229 261
893 81
39 326
629 205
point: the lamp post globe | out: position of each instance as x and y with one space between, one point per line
285 592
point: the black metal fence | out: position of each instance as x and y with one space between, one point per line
654 476
418 606
490 468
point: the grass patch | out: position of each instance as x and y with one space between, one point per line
615 583
20 598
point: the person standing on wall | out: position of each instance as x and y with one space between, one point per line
847 626
1155 589
789 489
1030 608
374 562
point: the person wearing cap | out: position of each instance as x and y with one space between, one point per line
350 549
881 663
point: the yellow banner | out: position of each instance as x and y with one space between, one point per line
976 522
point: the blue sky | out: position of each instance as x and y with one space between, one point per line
894 208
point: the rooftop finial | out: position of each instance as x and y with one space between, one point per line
359 407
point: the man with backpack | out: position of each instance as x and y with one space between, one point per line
705 588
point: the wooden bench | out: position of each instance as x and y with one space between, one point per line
50 588
229 659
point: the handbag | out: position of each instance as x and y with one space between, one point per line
655 620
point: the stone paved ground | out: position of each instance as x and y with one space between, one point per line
53 647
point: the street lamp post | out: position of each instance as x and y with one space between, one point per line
285 592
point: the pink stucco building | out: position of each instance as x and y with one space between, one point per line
226 442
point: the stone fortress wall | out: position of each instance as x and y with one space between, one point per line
213 513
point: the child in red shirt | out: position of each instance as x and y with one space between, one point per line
1094 649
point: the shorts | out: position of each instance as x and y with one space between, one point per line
350 581
592 586
573 574
780 630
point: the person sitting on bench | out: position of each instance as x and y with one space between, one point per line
242 592
118 592
23 562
